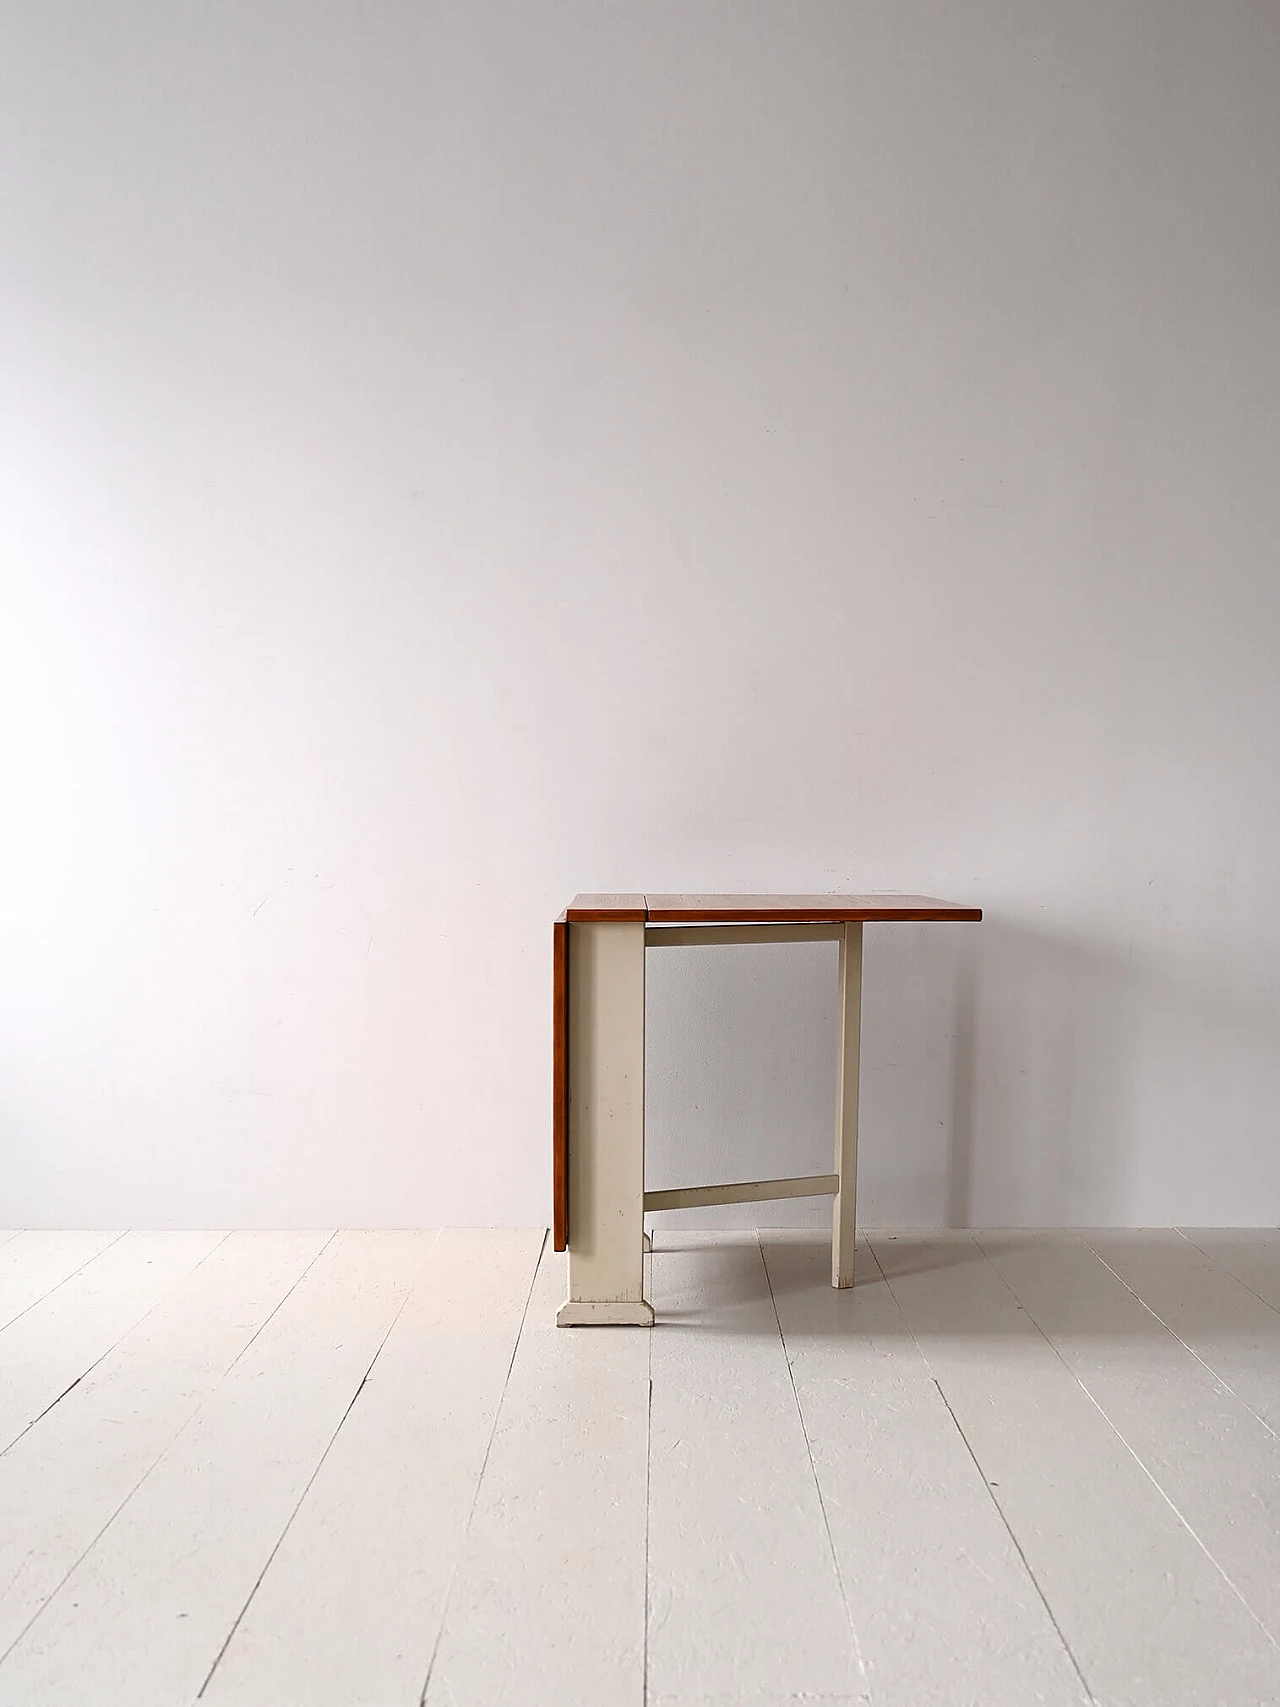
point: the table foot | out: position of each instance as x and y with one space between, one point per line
604 1313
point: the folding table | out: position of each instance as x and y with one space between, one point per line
599 945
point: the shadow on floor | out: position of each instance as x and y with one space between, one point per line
723 1282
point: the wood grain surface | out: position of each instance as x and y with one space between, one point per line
786 909
604 909
764 909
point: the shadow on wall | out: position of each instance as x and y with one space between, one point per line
1042 1058
1010 1077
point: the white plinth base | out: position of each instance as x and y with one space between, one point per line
591 1313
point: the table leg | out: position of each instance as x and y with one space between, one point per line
606 1127
849 1026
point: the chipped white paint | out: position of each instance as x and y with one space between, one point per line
604 1313
351 1605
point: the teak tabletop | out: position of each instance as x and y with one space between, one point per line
763 909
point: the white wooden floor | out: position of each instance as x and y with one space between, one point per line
309 1468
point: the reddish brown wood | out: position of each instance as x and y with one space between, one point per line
800 909
604 909
560 1084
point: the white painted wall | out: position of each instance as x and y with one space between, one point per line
457 455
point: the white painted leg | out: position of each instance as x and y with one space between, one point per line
606 1127
848 1030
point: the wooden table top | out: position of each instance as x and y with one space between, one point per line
762 909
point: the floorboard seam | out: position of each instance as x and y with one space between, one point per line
813 1471
1119 1434
982 1477
484 1465
1220 1266
79 1560
115 1344
239 1618
1203 1361
264 1325
154 1465
66 1277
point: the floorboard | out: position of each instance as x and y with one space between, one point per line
1250 1254
141 1619
368 1470
32 1264
1211 1457
1147 1615
350 1608
62 1482
55 1342
547 1607
745 1602
946 1611
1224 1323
